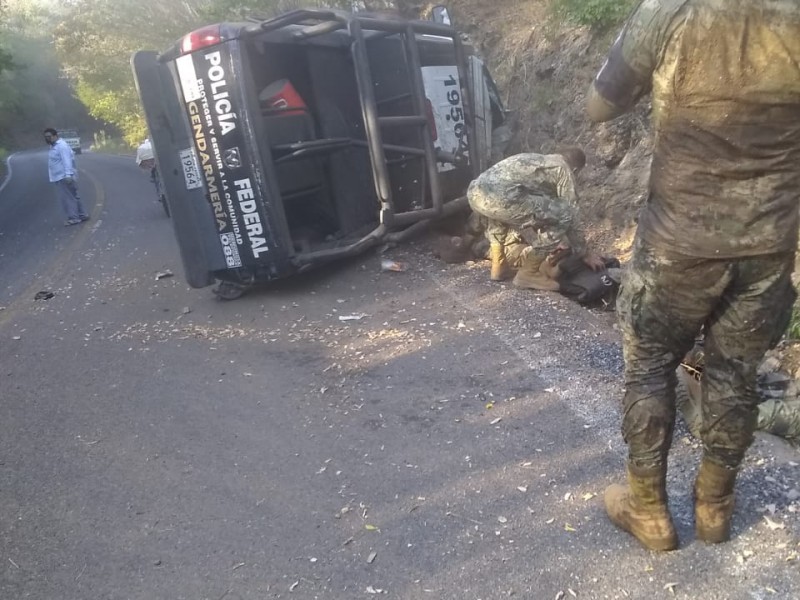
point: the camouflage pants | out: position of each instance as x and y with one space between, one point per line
510 218
497 233
744 304
494 231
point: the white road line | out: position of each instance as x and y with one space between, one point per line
8 177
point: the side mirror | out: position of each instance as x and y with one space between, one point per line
440 15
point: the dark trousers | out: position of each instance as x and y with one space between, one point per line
70 201
742 304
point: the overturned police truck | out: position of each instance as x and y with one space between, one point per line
288 142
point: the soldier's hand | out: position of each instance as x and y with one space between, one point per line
69 180
594 262
558 254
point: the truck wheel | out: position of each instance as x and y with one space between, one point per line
227 290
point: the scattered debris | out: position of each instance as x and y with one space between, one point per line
774 525
371 557
671 587
392 265
502 519
17 338
293 587
164 275
495 421
374 590
43 295
357 317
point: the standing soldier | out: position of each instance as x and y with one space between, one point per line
716 240
532 197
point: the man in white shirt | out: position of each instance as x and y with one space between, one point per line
62 172
145 158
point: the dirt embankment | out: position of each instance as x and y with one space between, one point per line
543 68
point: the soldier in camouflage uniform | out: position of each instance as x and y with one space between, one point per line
716 240
532 197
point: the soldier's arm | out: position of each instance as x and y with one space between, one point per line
626 74
565 183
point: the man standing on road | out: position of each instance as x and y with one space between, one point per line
146 160
532 197
716 240
62 172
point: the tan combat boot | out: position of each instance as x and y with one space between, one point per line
500 268
535 273
640 508
713 502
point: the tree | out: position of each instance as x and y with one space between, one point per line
95 40
34 93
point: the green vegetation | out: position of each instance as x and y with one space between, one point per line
793 331
34 93
3 157
598 14
110 144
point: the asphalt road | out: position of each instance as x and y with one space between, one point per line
449 439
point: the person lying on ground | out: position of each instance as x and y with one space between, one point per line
778 409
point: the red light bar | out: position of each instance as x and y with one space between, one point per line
200 38
431 120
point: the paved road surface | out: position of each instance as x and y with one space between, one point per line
451 442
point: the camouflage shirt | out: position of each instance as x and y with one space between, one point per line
725 77
535 195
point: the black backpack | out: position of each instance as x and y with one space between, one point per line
585 286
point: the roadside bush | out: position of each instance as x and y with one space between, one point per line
793 331
598 14
3 157
110 145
